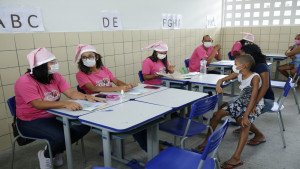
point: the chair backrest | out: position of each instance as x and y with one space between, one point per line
203 106
186 62
214 141
287 87
11 102
229 56
141 76
80 90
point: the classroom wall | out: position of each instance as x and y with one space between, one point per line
121 50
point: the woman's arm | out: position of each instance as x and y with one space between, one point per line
150 77
96 89
264 87
293 52
255 86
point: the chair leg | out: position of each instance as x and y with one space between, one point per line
218 165
281 130
13 152
50 152
175 141
83 150
296 99
182 142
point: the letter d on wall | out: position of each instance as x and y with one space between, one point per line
111 21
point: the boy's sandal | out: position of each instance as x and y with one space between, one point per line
255 143
231 166
238 130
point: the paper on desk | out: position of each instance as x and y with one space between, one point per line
89 106
138 91
175 75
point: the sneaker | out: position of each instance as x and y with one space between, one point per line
45 163
57 159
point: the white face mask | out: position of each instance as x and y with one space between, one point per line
53 69
161 56
89 62
234 69
207 44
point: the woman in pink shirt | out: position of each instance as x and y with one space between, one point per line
38 90
157 63
93 77
236 48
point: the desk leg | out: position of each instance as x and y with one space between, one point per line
106 148
222 70
220 100
232 89
155 138
149 143
189 86
271 66
68 142
276 72
168 84
120 148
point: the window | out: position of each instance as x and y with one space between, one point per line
261 12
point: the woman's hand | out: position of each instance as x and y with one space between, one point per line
219 89
171 67
245 122
133 84
94 99
124 88
72 105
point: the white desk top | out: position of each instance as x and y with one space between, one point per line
126 97
174 98
131 96
125 116
276 55
224 63
207 79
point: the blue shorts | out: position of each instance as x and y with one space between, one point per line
294 63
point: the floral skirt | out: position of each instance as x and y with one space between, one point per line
238 107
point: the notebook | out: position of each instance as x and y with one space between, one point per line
89 106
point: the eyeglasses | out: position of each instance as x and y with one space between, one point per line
88 57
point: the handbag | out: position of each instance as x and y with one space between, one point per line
21 140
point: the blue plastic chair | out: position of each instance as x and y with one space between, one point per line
11 102
229 56
295 79
80 90
184 128
176 158
141 76
279 102
186 62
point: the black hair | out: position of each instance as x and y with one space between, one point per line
255 52
40 74
154 58
246 59
87 70
243 41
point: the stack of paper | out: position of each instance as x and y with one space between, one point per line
89 106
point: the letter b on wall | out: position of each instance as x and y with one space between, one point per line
20 19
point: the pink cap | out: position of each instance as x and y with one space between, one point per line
38 57
81 48
158 46
249 37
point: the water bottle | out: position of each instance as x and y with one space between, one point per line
203 66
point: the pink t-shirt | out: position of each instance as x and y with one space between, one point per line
103 78
198 54
150 68
28 89
236 47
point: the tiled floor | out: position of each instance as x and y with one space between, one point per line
270 155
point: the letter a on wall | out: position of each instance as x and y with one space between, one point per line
111 21
21 19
